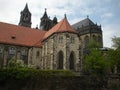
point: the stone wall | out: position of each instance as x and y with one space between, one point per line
64 42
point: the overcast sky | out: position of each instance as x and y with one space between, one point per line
103 12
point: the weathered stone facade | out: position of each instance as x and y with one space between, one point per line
61 43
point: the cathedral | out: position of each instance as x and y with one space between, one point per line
53 45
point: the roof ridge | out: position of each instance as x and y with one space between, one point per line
22 26
61 23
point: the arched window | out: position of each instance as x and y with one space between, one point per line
100 40
72 39
24 53
94 38
1 49
60 60
12 53
71 61
1 52
37 54
60 39
12 50
86 40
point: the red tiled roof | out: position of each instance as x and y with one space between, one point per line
18 35
62 26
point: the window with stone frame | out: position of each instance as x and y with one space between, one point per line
72 39
94 38
86 40
12 50
1 49
24 54
60 39
99 39
1 52
12 53
46 47
23 51
37 54
51 42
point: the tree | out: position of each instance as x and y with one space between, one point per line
96 65
114 58
116 42
96 62
114 55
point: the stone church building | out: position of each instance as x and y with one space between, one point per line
54 45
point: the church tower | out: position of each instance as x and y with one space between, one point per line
54 22
25 18
88 31
46 22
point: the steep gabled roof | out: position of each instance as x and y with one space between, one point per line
62 26
85 22
18 35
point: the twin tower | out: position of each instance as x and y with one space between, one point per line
45 24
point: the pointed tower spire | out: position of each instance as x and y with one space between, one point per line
54 21
45 14
26 8
25 18
65 15
46 22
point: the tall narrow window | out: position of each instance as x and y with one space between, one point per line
12 53
46 47
60 39
86 40
1 52
24 54
94 38
1 49
72 39
100 40
37 54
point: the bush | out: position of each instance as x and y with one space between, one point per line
15 63
23 73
